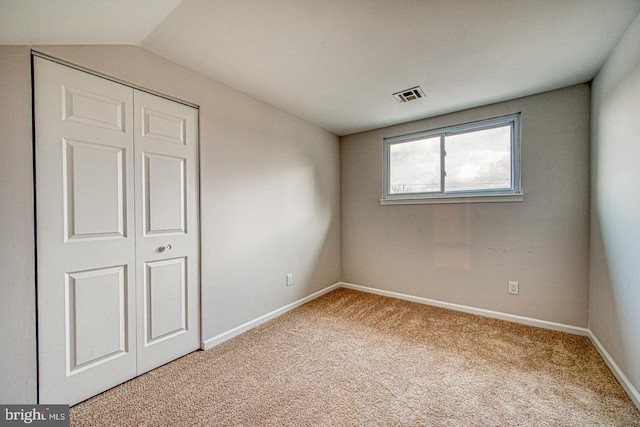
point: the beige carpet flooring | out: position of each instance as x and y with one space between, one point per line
354 359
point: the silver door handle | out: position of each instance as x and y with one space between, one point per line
166 247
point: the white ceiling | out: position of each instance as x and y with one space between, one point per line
336 63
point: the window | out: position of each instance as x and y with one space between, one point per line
477 161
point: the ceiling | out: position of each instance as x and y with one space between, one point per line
336 63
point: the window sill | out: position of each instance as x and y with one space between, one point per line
466 198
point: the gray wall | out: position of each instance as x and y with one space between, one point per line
614 309
467 253
269 200
17 248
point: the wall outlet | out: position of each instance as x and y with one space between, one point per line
289 279
514 287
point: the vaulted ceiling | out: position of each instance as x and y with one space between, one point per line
336 63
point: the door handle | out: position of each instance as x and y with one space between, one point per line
166 247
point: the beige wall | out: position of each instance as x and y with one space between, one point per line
269 200
614 309
17 245
466 253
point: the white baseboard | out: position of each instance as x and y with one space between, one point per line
472 310
615 369
219 339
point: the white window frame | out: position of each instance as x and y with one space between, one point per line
513 194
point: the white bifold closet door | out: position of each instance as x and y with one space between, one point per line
117 231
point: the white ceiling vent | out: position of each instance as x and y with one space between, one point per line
409 94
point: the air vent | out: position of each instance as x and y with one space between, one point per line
409 94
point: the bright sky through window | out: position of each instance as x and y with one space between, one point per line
474 159
415 166
478 160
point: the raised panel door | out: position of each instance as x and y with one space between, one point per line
167 243
86 248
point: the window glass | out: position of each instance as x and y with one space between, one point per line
479 160
415 166
467 160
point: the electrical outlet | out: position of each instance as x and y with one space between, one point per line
289 279
514 287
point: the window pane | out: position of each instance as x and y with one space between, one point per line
414 167
479 160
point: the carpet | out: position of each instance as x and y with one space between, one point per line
355 359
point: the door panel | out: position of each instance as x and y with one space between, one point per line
93 109
84 210
167 245
96 316
165 300
164 201
94 208
163 127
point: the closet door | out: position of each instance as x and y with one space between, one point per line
85 233
167 245
117 232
